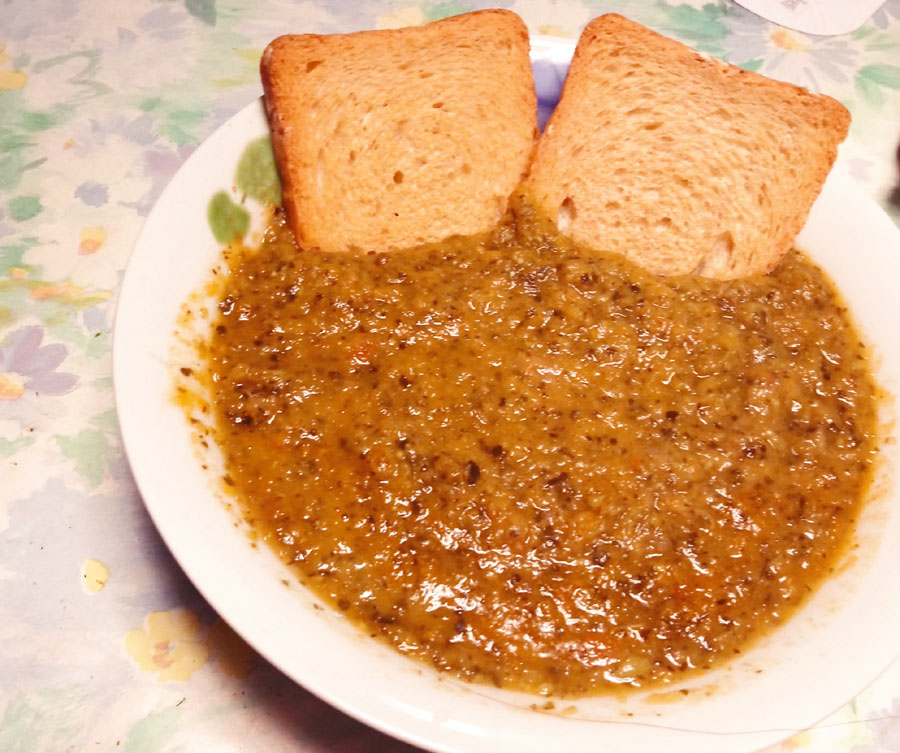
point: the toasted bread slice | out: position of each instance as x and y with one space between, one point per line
681 162
388 139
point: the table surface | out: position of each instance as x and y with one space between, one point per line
104 644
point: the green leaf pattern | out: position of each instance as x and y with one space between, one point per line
227 220
256 174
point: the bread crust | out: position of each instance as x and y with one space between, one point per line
681 162
387 139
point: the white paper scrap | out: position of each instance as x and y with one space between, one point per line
821 17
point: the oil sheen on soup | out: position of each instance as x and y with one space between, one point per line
535 465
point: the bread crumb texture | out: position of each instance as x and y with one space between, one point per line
681 162
392 138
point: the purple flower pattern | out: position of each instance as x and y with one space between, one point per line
34 364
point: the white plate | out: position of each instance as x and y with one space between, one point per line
829 652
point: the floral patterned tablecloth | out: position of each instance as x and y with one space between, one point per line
104 644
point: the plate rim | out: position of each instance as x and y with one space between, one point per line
145 486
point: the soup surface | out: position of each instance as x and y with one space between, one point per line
535 465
